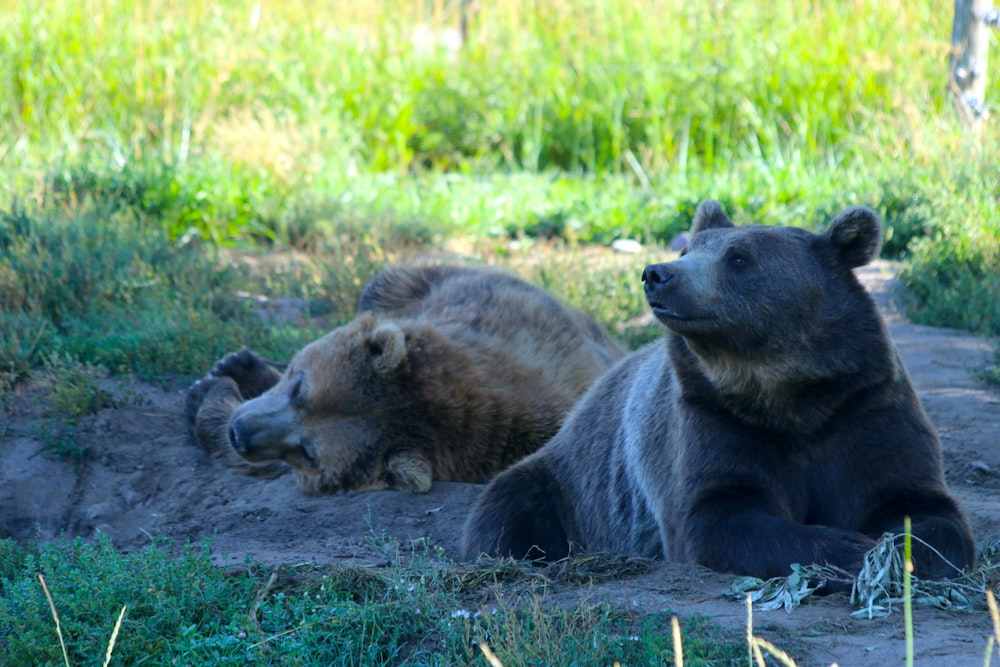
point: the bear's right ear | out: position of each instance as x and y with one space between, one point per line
709 216
386 348
855 236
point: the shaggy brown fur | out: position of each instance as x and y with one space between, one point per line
774 425
447 373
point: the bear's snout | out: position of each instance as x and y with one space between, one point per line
265 428
657 275
668 289
659 282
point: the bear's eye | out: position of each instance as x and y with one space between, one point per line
737 260
297 391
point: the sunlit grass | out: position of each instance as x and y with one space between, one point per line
242 122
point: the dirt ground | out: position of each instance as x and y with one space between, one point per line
141 478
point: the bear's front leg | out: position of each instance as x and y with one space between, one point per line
209 403
522 514
410 471
942 549
251 373
943 546
744 534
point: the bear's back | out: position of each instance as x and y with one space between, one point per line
485 308
499 361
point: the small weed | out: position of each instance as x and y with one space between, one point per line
59 441
25 340
75 391
990 371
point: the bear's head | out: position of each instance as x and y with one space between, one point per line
326 415
775 298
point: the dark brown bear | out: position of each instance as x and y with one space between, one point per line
447 372
774 425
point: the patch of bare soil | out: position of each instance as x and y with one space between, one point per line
141 478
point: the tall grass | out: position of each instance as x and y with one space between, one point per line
242 108
313 93
568 85
256 124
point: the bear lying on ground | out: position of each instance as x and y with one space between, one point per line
774 424
447 372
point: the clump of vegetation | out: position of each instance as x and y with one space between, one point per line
183 609
24 341
75 389
955 276
74 392
89 584
103 283
71 277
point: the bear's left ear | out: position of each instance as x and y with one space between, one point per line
855 236
709 216
386 348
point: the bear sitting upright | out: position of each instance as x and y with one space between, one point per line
447 372
774 424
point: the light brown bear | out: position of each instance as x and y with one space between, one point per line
774 424
447 372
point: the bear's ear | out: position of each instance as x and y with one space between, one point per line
709 216
386 348
855 236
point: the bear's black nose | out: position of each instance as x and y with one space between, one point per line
657 274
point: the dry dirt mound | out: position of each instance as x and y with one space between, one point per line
141 478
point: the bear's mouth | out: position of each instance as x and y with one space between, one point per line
664 312
301 457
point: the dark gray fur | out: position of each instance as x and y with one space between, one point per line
774 424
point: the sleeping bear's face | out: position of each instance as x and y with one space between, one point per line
755 291
325 415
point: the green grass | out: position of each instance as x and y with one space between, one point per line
161 132
562 85
181 609
101 282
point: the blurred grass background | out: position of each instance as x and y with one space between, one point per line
143 142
